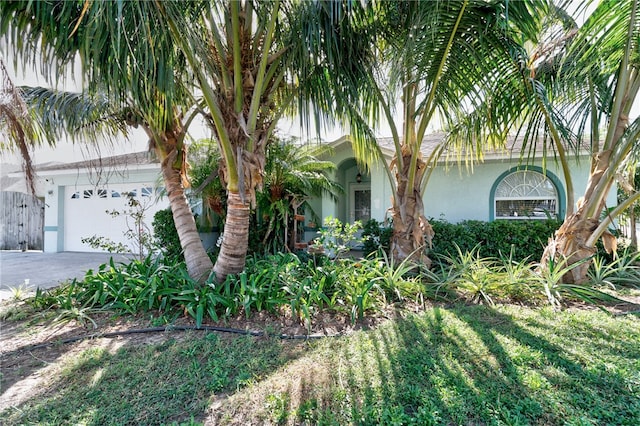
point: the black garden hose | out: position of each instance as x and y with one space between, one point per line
180 328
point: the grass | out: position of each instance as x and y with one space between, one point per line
449 365
147 384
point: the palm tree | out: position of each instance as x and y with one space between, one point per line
576 96
606 50
441 60
628 186
17 127
251 61
124 53
33 116
292 174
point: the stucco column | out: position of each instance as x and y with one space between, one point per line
53 197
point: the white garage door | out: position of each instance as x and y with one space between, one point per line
90 211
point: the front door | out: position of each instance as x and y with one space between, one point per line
360 203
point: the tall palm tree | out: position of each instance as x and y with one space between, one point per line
249 60
252 60
125 53
606 51
577 95
440 60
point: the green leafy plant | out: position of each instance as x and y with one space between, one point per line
473 275
293 173
19 292
522 238
138 286
337 238
106 244
376 237
166 235
395 279
197 300
297 293
359 286
517 276
549 277
623 271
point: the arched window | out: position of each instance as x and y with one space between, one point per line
525 194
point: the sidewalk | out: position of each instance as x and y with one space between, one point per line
33 269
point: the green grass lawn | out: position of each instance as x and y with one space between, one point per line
455 365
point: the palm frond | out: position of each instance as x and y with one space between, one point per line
18 132
80 116
124 48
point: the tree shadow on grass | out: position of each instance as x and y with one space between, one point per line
578 368
21 362
427 371
159 383
457 365
479 365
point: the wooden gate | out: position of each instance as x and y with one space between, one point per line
22 221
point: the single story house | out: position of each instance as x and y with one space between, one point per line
79 196
500 187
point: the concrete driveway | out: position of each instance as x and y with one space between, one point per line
33 269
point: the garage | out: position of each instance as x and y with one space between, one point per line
105 211
91 198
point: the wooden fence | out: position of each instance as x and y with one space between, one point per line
21 221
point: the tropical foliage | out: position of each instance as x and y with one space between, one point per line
33 116
293 174
251 61
579 86
136 67
303 289
439 61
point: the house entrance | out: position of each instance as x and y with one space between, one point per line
360 203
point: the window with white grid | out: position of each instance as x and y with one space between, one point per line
526 194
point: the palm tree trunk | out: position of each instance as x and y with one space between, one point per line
235 241
198 262
569 246
412 232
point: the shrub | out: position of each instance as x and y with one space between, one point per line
166 235
337 238
376 237
139 286
523 239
